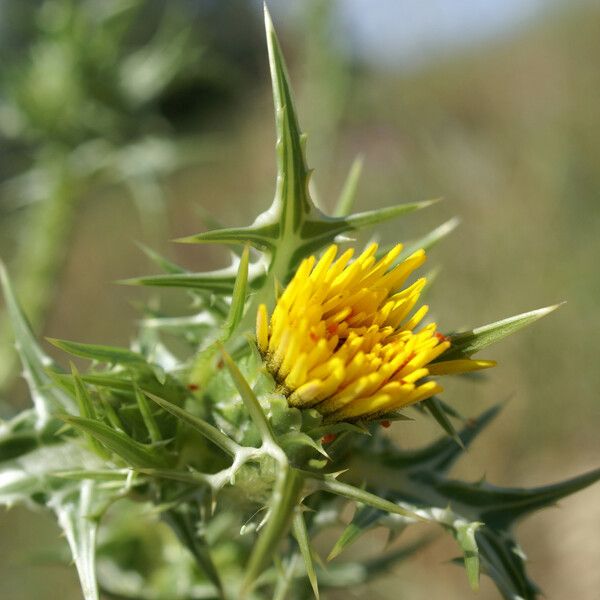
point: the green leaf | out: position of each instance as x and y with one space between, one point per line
348 193
46 398
210 432
431 239
465 536
503 561
146 412
499 507
164 263
210 222
364 519
86 409
218 282
115 382
441 455
380 215
260 237
292 201
301 535
238 299
329 484
436 410
294 439
317 233
250 401
106 354
467 343
129 450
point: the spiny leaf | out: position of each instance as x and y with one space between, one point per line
146 412
219 282
238 299
329 484
501 560
348 193
434 408
465 536
467 343
499 507
46 398
86 409
261 237
293 439
292 201
364 519
431 239
210 432
164 263
208 219
380 215
116 382
250 401
443 453
323 231
211 222
301 535
106 354
129 450
110 414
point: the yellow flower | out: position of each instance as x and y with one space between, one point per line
342 338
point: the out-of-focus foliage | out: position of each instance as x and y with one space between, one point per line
96 94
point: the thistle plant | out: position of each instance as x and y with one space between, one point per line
208 473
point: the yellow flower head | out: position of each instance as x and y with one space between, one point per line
343 337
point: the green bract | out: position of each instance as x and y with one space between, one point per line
207 446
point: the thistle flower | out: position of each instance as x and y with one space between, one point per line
342 338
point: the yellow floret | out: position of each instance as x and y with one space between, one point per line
341 338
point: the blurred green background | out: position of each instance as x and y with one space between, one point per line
140 120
